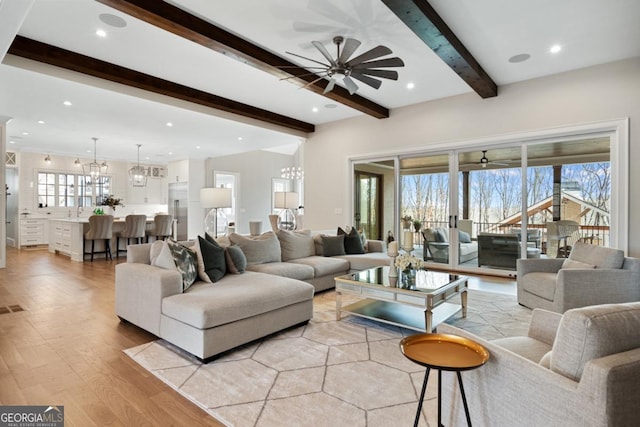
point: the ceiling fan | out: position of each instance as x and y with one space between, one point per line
484 161
361 68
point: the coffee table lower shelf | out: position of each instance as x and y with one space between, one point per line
401 314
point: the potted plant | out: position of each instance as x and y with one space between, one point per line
112 201
417 225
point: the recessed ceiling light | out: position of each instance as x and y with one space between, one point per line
12 142
197 147
40 122
239 138
147 158
410 85
112 20
331 106
101 33
314 109
521 57
170 153
555 48
67 103
25 133
169 124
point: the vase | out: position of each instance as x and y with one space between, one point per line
409 278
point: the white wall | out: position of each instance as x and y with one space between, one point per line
605 92
256 169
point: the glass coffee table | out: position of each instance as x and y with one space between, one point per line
420 308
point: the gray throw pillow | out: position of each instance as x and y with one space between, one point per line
333 245
464 237
213 259
236 261
186 262
296 244
258 250
352 242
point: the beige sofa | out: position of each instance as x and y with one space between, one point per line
208 319
579 369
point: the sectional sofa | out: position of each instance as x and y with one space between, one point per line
272 291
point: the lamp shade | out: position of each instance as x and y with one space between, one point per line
286 200
215 197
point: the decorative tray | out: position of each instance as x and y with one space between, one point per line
444 351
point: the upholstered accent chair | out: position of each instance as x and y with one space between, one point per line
436 245
591 275
577 369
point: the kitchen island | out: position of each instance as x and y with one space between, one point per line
66 236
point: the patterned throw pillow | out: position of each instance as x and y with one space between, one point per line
186 263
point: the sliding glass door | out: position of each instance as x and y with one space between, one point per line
484 208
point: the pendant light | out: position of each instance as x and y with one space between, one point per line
95 170
138 174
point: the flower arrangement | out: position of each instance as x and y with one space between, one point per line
111 201
406 261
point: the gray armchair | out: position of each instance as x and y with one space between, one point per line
577 369
591 275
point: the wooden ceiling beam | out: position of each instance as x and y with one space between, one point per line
52 55
181 23
425 22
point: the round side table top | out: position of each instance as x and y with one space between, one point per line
444 351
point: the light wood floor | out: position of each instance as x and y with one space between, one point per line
65 347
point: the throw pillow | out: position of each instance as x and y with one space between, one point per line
185 260
571 263
440 236
352 241
296 244
161 256
464 237
260 249
236 261
332 245
212 265
317 241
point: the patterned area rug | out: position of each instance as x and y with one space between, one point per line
327 373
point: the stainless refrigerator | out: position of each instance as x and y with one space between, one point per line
178 203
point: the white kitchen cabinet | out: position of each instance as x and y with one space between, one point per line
34 231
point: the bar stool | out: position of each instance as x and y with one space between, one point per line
134 228
163 227
100 228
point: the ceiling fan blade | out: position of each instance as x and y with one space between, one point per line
309 59
330 86
324 52
386 62
310 83
350 46
376 52
374 83
385 74
351 86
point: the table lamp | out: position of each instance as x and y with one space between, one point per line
214 199
286 200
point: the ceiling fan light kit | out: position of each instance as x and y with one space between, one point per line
363 67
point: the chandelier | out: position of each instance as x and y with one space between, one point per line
293 172
138 174
94 170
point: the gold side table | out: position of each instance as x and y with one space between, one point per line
443 352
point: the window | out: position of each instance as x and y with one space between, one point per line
70 190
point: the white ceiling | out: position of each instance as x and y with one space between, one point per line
590 32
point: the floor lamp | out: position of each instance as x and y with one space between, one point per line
286 200
215 199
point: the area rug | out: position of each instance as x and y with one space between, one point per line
326 373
